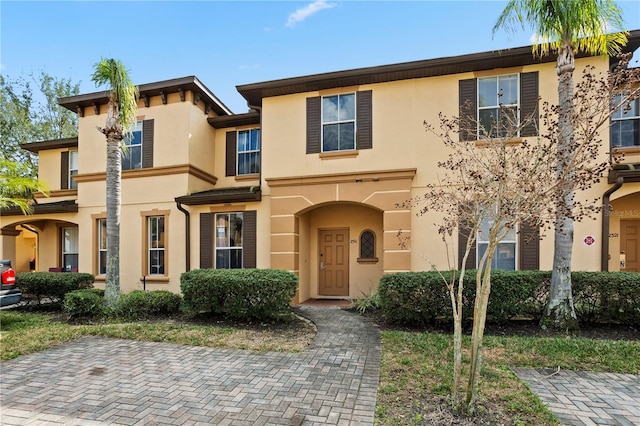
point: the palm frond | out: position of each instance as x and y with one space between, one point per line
114 73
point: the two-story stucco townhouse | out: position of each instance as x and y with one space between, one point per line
308 180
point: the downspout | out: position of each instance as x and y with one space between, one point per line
187 236
259 109
30 229
604 257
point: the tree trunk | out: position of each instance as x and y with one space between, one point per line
560 313
114 167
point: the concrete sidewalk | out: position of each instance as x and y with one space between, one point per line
99 381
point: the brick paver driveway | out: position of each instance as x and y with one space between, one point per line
99 381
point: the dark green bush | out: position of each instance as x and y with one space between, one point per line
51 286
85 303
248 294
141 304
422 297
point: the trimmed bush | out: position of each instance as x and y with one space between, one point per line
248 294
85 303
53 286
422 297
141 304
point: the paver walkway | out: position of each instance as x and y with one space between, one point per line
581 398
100 381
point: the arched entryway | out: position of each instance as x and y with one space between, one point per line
310 214
624 233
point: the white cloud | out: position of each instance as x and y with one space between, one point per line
308 10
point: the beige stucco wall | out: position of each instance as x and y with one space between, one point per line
623 208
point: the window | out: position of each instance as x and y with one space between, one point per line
505 255
248 151
338 122
367 246
494 93
73 169
132 155
70 249
155 245
228 240
102 246
625 125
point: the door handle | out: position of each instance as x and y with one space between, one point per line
322 266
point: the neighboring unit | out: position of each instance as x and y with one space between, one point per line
308 180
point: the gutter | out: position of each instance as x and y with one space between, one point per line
187 236
606 206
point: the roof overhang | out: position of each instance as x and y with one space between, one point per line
630 173
255 92
146 91
221 196
225 121
67 206
50 144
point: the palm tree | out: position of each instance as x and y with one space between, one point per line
121 116
17 187
565 27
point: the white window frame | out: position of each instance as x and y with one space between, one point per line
248 152
515 241
69 247
156 245
622 116
73 169
102 246
225 242
339 121
126 156
497 104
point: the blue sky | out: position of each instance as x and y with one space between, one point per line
228 43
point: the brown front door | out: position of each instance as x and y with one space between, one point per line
334 262
630 244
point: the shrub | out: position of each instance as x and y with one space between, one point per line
422 297
366 303
140 304
84 303
40 286
259 294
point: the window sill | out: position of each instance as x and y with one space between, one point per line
253 176
626 150
498 141
155 279
367 260
339 154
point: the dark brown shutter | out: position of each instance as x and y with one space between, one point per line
64 170
463 237
529 250
314 126
206 240
467 102
529 102
249 236
147 143
230 155
364 139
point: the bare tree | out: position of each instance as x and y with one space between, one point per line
490 187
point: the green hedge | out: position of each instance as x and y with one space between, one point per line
260 294
53 286
140 304
85 303
422 297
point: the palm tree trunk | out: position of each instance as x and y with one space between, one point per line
112 279
560 313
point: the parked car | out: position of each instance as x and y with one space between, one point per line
9 293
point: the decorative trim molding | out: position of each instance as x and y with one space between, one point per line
343 177
150 172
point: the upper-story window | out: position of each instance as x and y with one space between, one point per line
339 122
494 92
132 155
625 125
73 169
248 152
